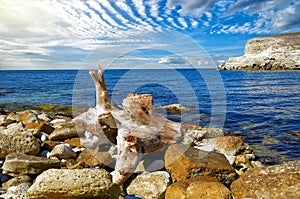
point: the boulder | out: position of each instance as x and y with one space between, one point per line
63 151
20 164
184 162
150 185
176 108
17 140
279 181
65 131
73 183
202 187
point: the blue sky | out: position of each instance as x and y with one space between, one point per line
129 33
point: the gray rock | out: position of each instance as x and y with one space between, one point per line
16 139
20 164
74 183
150 185
62 151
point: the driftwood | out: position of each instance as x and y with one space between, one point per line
133 129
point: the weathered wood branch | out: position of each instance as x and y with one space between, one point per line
135 128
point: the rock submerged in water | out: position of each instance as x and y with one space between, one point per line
278 52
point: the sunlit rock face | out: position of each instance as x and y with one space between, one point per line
278 52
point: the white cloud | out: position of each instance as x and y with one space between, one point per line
172 60
193 8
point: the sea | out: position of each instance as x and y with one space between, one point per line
262 107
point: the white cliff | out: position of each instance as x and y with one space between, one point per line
278 52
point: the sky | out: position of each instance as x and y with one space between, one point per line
61 34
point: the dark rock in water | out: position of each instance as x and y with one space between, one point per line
184 162
20 164
296 134
74 183
202 187
279 181
16 139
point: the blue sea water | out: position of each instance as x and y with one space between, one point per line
263 107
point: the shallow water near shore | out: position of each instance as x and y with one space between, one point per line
263 107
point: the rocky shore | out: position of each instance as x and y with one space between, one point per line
43 156
278 52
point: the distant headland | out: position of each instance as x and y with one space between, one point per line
277 52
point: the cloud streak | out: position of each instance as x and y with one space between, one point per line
35 29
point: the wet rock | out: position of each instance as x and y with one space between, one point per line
150 185
17 140
184 162
176 108
28 117
73 183
17 192
279 181
202 187
20 164
40 127
296 134
63 151
17 180
65 131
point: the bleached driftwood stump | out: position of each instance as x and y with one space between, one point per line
135 129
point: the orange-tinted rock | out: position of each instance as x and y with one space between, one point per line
74 142
28 117
40 127
279 181
184 162
202 187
